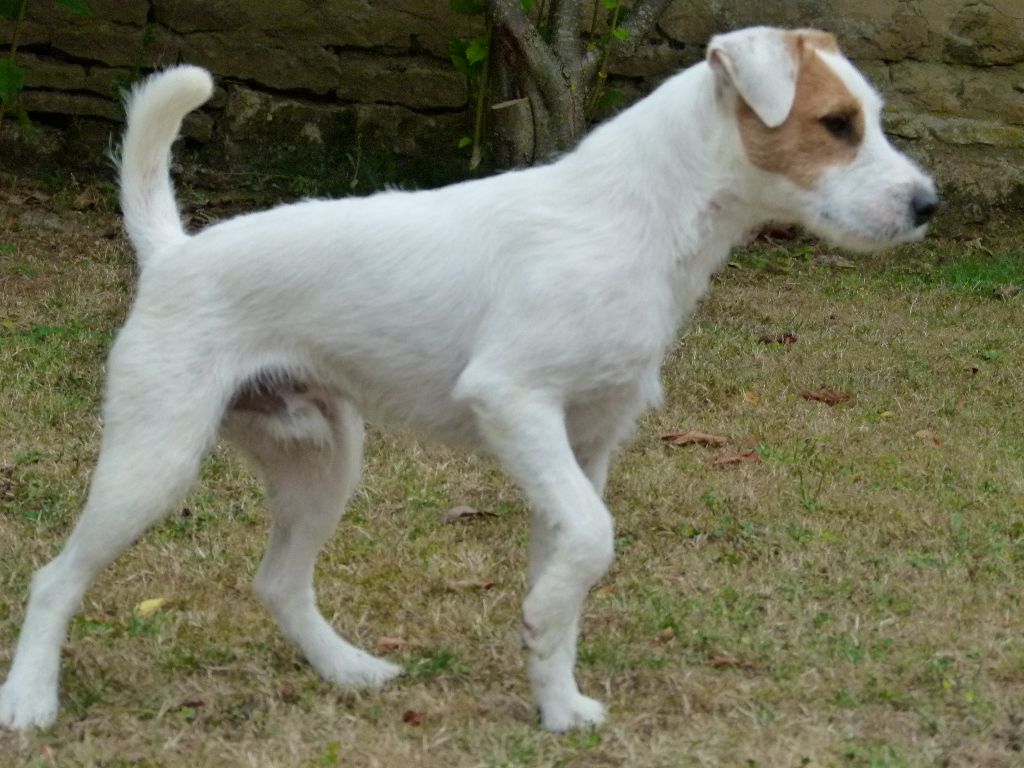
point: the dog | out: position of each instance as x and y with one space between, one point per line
524 315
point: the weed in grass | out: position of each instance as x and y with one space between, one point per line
861 755
330 756
430 664
798 532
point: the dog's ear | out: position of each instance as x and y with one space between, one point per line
761 64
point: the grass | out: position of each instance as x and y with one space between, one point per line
850 598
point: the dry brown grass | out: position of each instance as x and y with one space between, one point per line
850 598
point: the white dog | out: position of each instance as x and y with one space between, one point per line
524 314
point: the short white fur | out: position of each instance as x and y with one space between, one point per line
525 315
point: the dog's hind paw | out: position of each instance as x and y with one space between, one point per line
23 708
579 711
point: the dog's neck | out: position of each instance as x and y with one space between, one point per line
699 201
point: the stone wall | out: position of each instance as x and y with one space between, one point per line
361 91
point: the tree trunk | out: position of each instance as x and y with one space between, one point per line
543 90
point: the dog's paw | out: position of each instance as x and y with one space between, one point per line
579 711
359 669
22 708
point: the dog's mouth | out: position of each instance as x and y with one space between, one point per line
865 238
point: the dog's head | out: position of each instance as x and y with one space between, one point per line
810 129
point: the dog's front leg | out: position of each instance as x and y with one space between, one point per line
571 542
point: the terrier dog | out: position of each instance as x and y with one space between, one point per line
525 315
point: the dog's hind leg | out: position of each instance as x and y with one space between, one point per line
155 434
571 539
308 488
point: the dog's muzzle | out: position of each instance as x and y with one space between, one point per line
923 206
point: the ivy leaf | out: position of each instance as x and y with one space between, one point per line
467 7
610 98
477 50
621 34
12 80
466 55
10 9
75 6
457 53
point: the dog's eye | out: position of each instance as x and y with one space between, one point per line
839 124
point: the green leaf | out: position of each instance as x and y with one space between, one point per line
457 47
620 33
468 7
464 142
10 9
610 98
527 4
75 6
477 50
12 80
467 55
611 5
457 53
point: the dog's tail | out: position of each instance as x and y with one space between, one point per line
156 108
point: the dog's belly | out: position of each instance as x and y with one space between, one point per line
299 406
290 405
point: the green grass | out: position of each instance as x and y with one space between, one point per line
850 598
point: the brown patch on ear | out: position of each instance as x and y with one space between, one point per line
803 147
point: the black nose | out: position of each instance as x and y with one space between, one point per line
923 206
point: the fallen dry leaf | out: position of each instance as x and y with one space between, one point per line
928 436
693 437
87 198
781 338
288 693
723 660
455 514
832 260
665 636
147 608
735 458
1007 292
458 586
412 717
390 644
827 395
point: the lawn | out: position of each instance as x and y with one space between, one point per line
833 584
